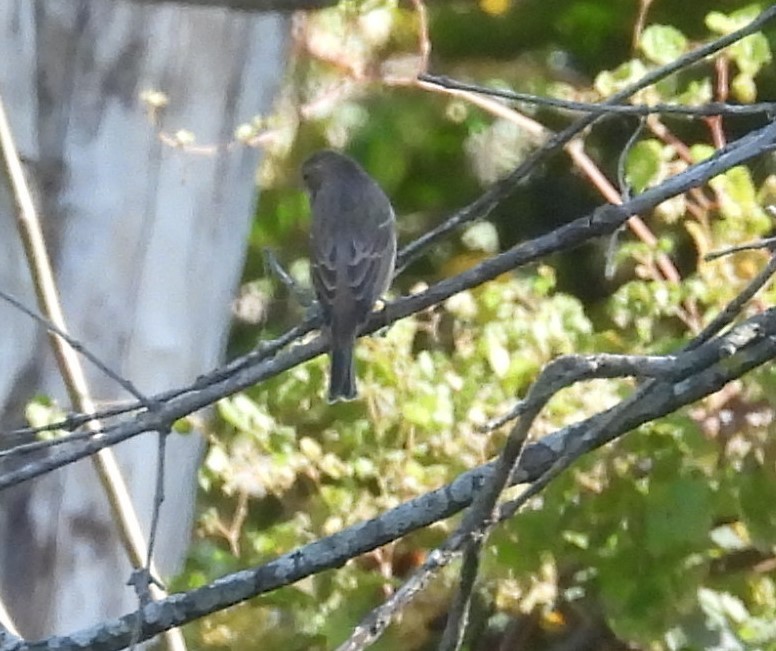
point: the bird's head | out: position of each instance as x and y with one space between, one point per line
324 166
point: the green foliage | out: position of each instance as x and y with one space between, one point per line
662 44
664 534
42 411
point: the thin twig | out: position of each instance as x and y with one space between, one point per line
710 109
765 243
301 295
76 345
625 192
458 613
735 306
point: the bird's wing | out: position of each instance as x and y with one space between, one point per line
324 273
368 261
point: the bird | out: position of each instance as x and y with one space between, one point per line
352 255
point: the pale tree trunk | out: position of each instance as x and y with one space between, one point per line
148 242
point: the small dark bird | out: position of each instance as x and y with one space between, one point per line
352 251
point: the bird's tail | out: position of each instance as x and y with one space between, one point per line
342 380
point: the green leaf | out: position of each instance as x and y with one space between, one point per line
482 236
743 87
644 164
183 426
737 194
751 54
757 497
662 44
725 23
244 414
678 516
609 82
42 411
720 23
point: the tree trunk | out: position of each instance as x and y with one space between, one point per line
148 242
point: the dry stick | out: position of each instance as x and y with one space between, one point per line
765 243
625 192
458 613
143 580
70 368
638 28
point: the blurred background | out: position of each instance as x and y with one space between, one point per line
663 540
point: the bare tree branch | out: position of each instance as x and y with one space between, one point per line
709 109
